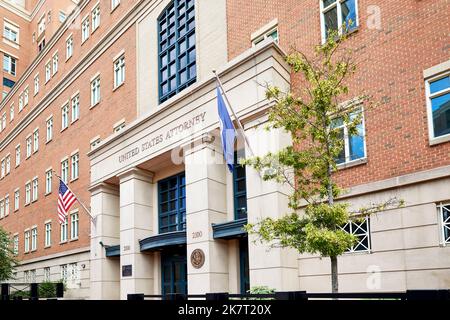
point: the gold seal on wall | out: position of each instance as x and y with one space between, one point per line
197 258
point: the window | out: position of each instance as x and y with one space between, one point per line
11 32
48 181
69 47
337 12
47 274
35 189
36 84
27 193
119 71
64 273
74 275
41 25
64 226
48 234
361 229
65 170
49 129
272 33
25 97
114 4
8 164
20 103
6 205
85 29
2 209
438 100
16 245
239 189
119 127
16 200
64 117
11 113
55 63
26 276
48 72
3 168
32 276
354 145
95 18
41 45
33 239
75 166
27 241
95 142
4 120
172 204
75 108
18 155
62 16
95 91
29 147
444 213
9 64
36 140
177 53
74 226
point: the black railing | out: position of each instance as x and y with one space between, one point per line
30 291
303 295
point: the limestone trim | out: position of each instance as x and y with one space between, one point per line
56 255
135 173
104 188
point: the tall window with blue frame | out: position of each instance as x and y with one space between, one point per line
337 12
239 189
177 54
172 204
439 105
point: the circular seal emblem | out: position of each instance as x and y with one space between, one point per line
197 258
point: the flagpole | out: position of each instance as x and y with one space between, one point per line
234 113
78 199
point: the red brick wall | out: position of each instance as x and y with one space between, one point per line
92 122
413 37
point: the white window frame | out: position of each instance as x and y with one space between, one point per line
34 239
64 230
74 225
119 126
119 71
95 91
28 193
95 14
65 170
11 112
75 166
8 164
27 238
85 29
69 47
13 29
355 228
7 205
36 140
435 140
55 63
18 155
26 96
75 107
36 84
16 200
2 208
114 4
35 190
10 62
444 224
339 17
65 116
49 129
48 71
48 181
48 234
16 244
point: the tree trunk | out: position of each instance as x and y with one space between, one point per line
334 275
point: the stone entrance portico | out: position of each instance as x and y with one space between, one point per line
167 169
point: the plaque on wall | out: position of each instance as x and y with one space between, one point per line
127 270
197 258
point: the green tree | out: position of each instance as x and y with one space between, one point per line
309 165
7 260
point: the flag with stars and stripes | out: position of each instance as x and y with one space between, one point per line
65 200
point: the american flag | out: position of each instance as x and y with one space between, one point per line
65 200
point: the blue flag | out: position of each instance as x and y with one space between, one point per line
227 131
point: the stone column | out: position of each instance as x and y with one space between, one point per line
275 268
206 204
136 208
104 272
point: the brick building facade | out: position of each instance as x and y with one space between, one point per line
104 89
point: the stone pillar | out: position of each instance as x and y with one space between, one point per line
206 204
104 272
272 267
136 208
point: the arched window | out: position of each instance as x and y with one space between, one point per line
176 39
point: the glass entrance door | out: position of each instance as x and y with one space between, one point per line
174 273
